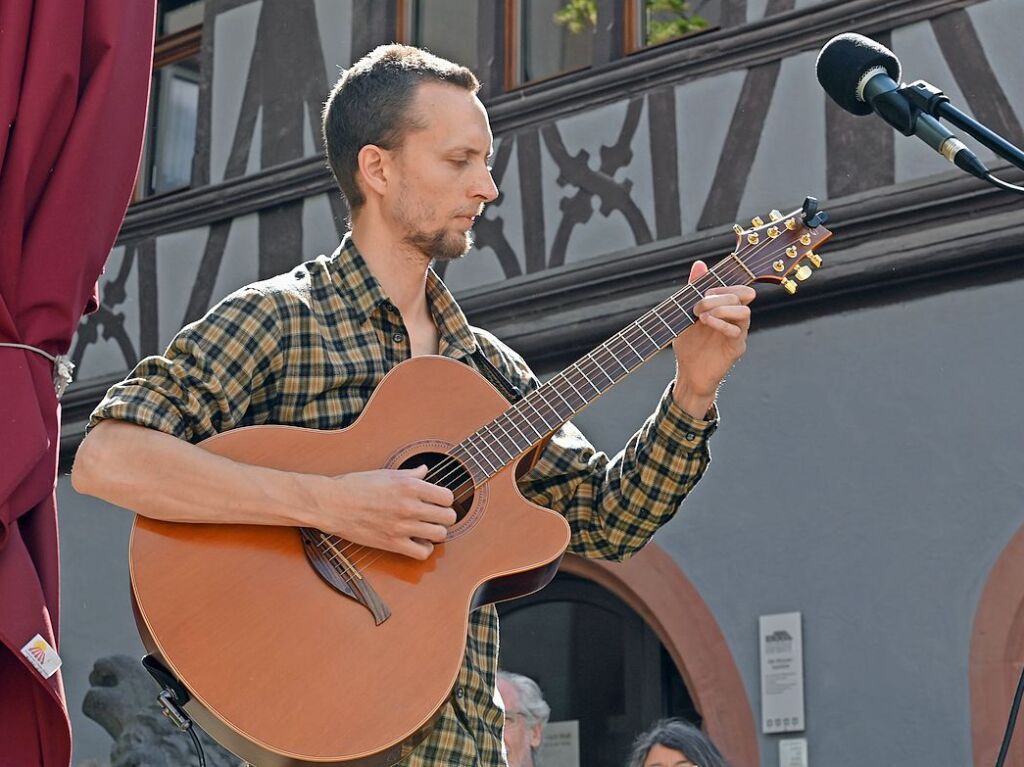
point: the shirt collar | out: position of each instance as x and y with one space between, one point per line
356 282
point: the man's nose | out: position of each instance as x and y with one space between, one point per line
485 189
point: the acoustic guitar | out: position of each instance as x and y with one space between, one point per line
294 647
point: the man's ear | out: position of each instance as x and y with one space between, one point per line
373 169
536 735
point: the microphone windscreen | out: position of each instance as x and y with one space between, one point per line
843 62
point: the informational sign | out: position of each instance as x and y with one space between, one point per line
793 752
782 673
560 746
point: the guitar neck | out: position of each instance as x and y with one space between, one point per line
769 252
544 410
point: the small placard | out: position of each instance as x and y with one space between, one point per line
560 746
782 673
43 657
793 752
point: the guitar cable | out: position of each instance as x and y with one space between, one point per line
1014 710
198 745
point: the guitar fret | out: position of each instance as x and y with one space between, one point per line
557 413
533 407
597 389
577 391
671 329
508 437
631 348
683 308
509 414
474 440
465 456
597 364
649 336
612 355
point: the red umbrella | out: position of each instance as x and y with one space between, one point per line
74 84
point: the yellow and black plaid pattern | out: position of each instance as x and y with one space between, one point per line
308 348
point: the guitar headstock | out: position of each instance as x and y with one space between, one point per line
781 250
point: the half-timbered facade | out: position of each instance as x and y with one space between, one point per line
867 473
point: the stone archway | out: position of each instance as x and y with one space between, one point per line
653 585
996 656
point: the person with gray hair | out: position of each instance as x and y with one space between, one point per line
526 714
675 743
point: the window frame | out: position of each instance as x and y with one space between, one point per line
167 50
633 28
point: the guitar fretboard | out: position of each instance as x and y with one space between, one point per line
544 410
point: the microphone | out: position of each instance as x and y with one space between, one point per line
862 76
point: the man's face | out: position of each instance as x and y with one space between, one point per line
441 173
521 733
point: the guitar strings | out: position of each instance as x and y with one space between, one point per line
433 475
453 467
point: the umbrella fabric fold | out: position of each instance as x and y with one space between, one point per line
74 86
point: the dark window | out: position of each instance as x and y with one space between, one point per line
447 28
597 662
554 37
174 99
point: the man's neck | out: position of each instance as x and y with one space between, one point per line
400 269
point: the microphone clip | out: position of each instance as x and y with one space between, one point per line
924 96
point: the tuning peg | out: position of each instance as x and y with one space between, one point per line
737 228
804 272
791 224
757 221
790 286
775 215
791 251
779 266
814 258
773 232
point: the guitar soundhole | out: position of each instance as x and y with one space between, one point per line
447 472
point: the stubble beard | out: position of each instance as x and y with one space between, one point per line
440 245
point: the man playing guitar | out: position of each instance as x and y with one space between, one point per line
409 143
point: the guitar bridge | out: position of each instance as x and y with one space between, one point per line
340 573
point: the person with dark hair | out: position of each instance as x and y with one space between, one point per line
674 743
409 143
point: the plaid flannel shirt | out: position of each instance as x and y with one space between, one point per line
307 348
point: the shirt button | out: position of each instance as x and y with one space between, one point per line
398 338
691 436
460 692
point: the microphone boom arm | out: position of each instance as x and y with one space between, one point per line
931 100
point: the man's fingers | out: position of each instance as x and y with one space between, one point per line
436 494
737 315
415 548
727 329
697 270
427 532
744 293
436 515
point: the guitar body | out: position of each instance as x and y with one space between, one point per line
282 668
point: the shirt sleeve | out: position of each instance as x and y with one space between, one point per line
218 372
614 505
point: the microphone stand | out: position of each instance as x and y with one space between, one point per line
925 97
929 99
